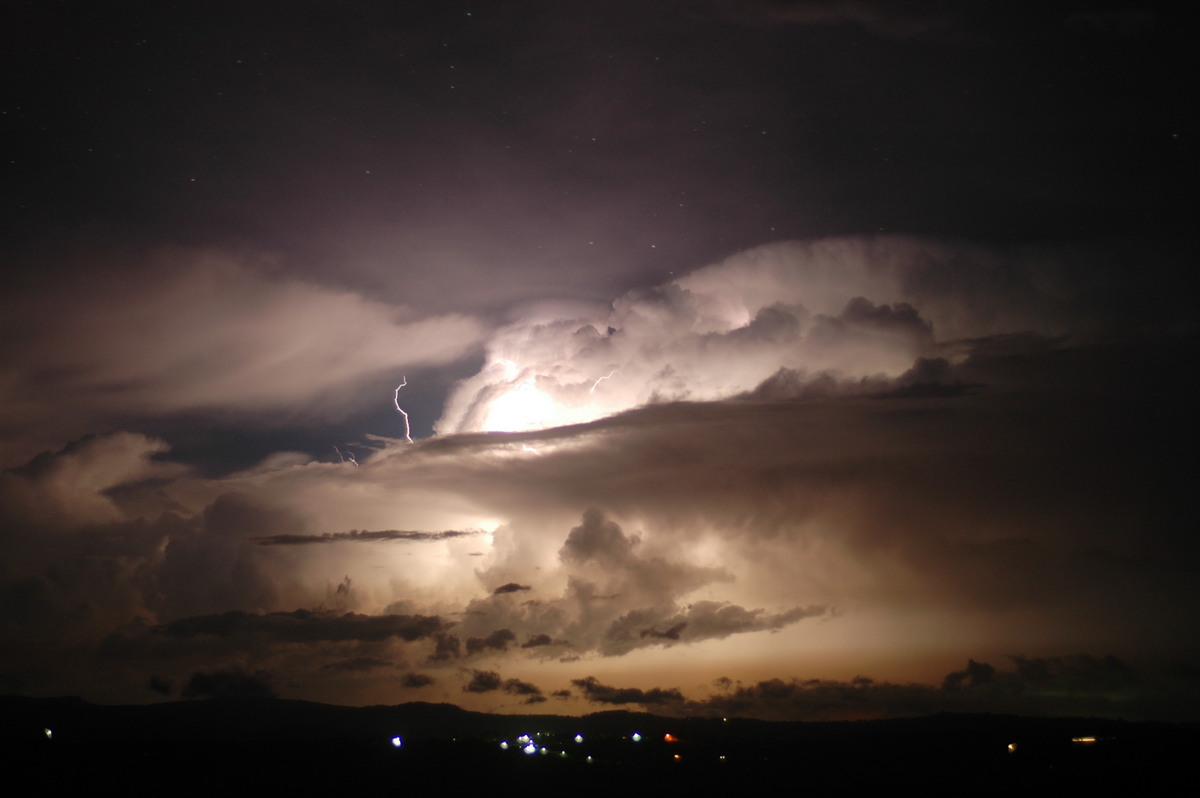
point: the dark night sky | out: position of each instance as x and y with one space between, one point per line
810 340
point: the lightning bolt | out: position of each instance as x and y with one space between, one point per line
607 376
396 399
349 458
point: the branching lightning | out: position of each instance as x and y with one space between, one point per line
607 376
396 399
348 458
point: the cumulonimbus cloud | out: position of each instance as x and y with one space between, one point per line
856 308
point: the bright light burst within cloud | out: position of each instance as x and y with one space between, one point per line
850 309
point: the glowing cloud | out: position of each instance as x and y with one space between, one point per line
851 308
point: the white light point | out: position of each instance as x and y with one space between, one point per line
396 399
523 407
397 742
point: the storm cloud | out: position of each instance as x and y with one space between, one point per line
756 340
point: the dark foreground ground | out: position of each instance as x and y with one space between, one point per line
235 747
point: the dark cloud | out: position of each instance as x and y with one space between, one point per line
232 684
1080 684
362 536
518 687
304 626
483 682
593 690
497 641
415 680
510 587
490 681
669 634
446 647
358 665
702 620
537 640
1079 675
160 685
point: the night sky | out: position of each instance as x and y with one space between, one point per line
780 359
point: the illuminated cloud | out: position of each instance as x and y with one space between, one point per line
203 331
80 483
852 308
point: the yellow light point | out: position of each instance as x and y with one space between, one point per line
670 738
677 757
1012 747
1083 739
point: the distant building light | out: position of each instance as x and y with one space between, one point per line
1012 747
677 757
589 759
544 750
578 738
530 749
1083 739
397 742
504 745
670 738
49 734
636 737
524 738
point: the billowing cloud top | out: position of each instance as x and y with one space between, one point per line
854 308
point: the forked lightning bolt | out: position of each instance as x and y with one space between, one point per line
396 398
607 376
